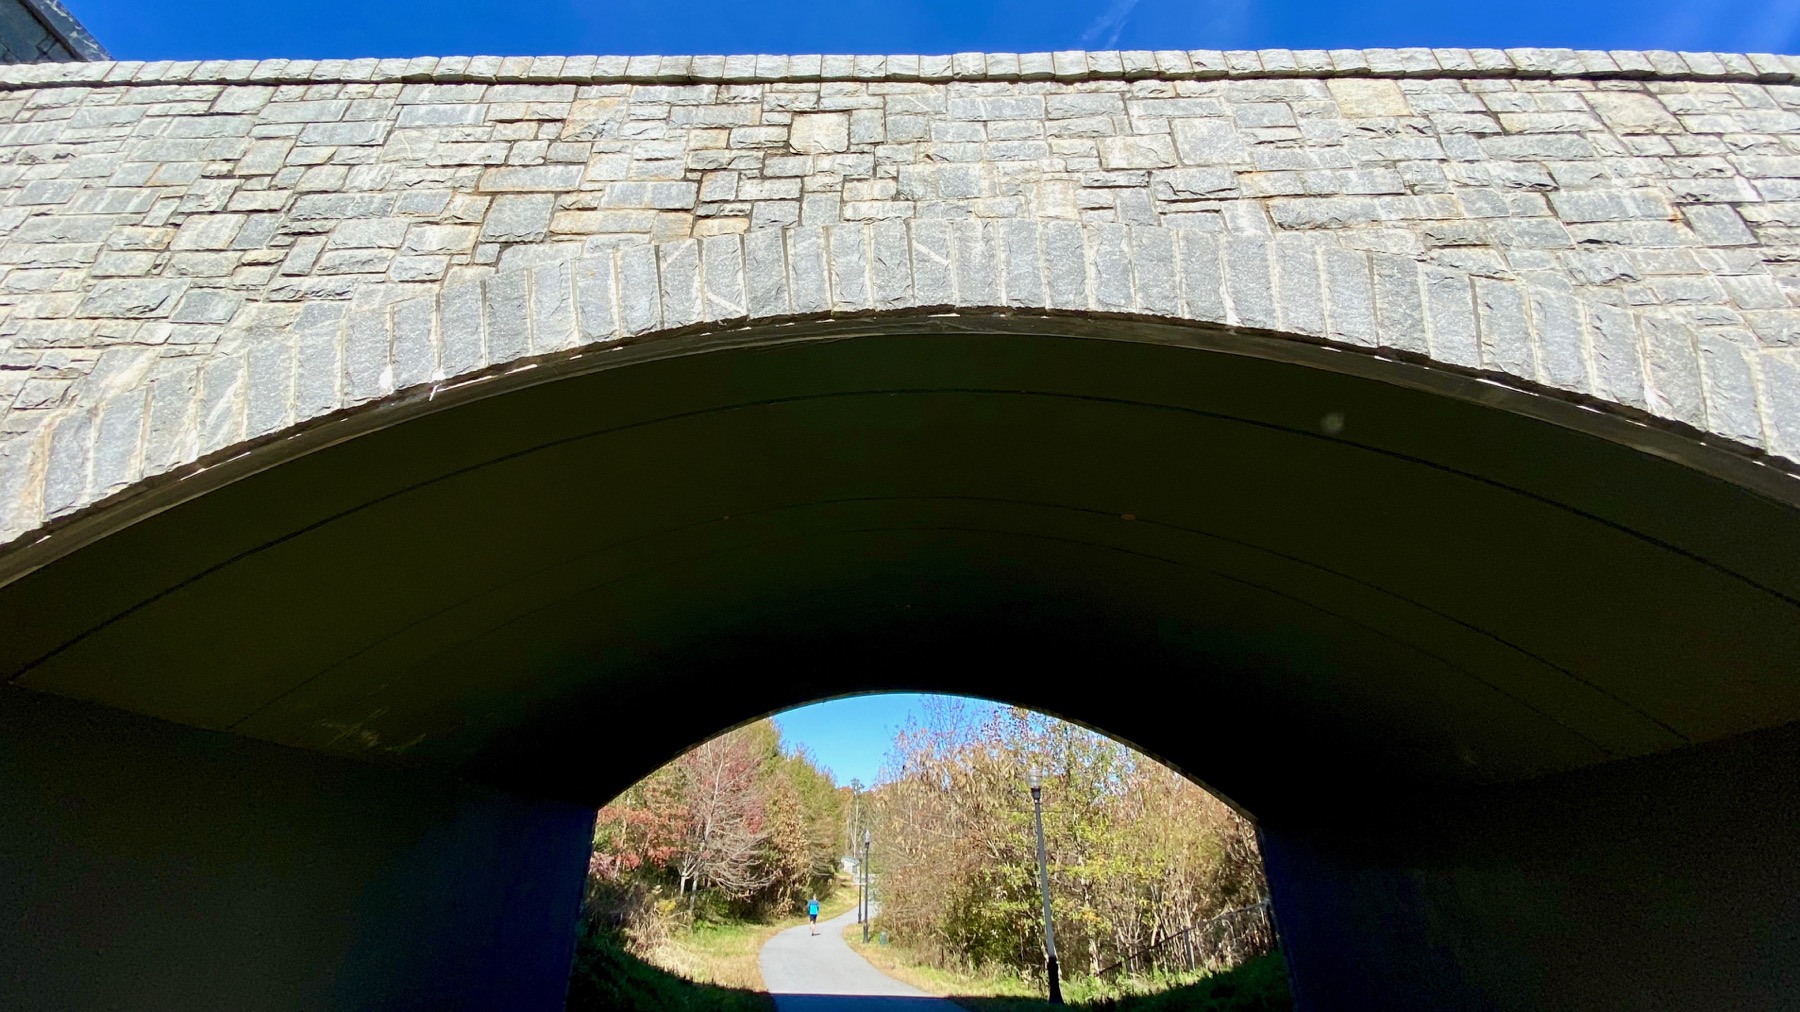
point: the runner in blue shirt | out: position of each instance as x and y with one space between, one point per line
812 913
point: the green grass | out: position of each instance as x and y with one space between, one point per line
1257 986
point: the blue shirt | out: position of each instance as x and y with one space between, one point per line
812 907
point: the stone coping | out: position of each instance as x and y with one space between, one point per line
1074 65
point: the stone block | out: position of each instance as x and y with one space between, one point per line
1208 142
664 195
766 274
1361 98
848 253
208 232
1450 307
368 233
368 372
462 329
890 265
1300 303
809 271
596 298
507 309
67 464
1151 151
1110 269
1674 388
1156 286
413 325
346 134
207 305
640 298
1718 225
518 218
531 178
819 133
135 299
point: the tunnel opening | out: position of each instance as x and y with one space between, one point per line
703 872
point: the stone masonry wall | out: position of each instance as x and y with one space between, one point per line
193 256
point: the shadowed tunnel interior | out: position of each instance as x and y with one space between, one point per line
1486 680
1279 578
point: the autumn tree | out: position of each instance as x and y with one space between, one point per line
1137 853
735 827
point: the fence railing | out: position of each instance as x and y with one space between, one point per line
1217 943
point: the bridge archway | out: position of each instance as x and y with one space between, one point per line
1512 624
371 425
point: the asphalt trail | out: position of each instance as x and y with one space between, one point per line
820 973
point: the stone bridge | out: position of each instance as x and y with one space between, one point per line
1414 423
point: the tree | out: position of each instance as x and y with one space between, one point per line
736 827
1137 853
726 828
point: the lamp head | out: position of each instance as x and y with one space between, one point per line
1036 780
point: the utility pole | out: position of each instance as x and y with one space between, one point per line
865 871
1050 968
850 834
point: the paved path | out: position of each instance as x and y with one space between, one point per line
820 973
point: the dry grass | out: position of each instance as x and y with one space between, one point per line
726 954
1258 986
722 954
899 964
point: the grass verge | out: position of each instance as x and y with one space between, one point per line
899 964
1257 986
727 953
712 968
609 979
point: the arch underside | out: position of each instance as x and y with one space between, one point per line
1285 580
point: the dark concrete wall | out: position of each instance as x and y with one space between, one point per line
147 866
1671 882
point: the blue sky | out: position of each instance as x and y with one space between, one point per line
850 736
202 29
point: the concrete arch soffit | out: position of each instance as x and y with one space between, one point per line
1538 346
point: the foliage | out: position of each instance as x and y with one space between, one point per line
1259 985
737 829
1137 853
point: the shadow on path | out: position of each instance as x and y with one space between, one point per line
860 1003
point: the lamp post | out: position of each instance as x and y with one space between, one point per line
865 871
1050 969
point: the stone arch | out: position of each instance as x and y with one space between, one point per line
1536 344
1560 637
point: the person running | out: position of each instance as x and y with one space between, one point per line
812 914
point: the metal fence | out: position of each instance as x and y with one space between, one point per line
1218 943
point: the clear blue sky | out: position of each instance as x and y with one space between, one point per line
202 29
850 736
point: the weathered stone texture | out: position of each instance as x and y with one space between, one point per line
194 255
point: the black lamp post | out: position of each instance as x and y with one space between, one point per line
1050 969
865 870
